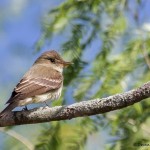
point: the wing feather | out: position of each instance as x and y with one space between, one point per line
33 85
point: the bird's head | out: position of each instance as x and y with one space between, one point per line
52 59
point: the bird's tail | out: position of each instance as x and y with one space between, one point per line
7 110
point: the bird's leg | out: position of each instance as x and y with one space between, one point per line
25 108
46 103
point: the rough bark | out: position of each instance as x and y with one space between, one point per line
84 108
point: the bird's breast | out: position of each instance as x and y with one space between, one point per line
53 95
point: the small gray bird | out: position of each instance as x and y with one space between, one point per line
43 81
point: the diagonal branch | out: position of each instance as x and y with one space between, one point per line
18 137
85 108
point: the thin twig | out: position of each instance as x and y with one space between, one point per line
19 137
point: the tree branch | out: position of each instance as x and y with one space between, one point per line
85 108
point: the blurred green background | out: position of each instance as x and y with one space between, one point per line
109 43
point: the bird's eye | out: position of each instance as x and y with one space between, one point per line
52 60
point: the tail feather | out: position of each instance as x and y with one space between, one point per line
7 110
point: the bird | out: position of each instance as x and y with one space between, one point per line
42 82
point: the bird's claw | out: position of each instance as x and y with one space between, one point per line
25 108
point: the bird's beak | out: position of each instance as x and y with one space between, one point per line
66 64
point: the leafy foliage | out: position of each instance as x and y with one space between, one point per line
118 66
65 135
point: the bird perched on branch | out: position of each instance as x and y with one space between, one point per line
43 81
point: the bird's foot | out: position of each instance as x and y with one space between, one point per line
25 108
46 104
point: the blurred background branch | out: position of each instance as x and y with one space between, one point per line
19 137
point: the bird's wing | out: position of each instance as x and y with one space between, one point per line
32 85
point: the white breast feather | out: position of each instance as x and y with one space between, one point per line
41 98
